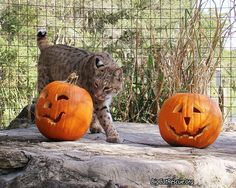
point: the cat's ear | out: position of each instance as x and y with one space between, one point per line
98 63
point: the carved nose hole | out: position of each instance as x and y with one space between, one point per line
187 120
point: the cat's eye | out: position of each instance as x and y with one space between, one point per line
96 85
107 89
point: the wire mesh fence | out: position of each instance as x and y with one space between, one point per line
141 35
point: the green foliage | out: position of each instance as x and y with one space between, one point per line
17 59
15 18
133 31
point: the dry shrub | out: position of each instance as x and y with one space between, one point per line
187 60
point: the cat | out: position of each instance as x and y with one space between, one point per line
98 74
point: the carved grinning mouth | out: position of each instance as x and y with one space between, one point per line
186 134
56 120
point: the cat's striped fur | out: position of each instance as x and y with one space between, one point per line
98 74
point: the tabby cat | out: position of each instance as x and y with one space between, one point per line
98 74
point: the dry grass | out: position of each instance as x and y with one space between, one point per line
188 62
183 62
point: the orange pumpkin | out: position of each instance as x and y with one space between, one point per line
63 111
188 119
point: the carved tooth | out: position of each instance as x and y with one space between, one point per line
198 135
174 133
191 137
205 129
168 127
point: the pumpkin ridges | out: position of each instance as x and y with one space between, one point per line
71 126
211 112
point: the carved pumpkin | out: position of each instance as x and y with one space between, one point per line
63 111
188 119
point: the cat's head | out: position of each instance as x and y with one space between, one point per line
107 79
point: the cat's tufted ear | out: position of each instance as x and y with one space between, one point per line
99 63
118 73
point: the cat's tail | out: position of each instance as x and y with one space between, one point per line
42 39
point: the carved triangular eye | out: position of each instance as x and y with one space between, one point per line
195 110
99 63
178 108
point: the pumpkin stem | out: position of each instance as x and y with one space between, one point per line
72 78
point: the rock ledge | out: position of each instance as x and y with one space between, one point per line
143 160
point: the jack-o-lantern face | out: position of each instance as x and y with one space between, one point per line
63 111
188 119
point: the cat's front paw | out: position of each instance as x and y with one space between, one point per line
114 139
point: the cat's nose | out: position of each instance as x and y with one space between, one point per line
99 97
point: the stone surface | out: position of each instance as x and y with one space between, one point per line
27 159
